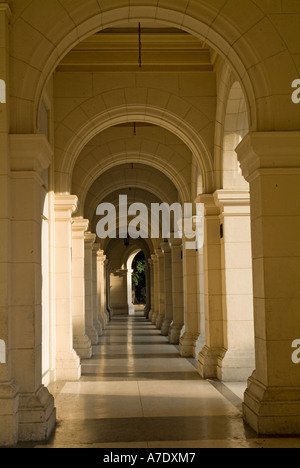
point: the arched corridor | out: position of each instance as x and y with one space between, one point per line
160 128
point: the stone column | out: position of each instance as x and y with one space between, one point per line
168 289
189 340
101 265
67 361
161 285
82 344
96 290
271 164
151 268
119 299
8 389
211 356
155 311
89 240
177 291
107 285
30 155
238 325
148 290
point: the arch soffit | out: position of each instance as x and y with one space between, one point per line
183 19
124 114
151 188
146 159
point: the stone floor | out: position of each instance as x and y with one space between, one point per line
137 392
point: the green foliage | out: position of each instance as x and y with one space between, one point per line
139 271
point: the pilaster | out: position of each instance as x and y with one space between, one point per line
168 319
211 357
30 156
67 361
161 288
92 333
96 290
177 291
271 164
82 344
237 285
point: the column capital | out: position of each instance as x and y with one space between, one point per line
30 152
269 153
154 258
233 202
79 226
210 207
175 242
65 205
165 247
101 256
89 239
159 253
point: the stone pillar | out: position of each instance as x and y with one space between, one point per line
82 344
211 356
189 340
238 325
119 299
271 164
8 389
101 265
67 361
168 289
30 155
151 268
161 286
92 333
155 311
107 285
96 290
177 291
148 290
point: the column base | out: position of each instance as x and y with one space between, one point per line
188 344
98 327
37 415
147 312
9 403
83 346
159 322
236 366
174 333
154 318
120 310
93 335
68 368
150 315
209 361
131 309
166 327
272 410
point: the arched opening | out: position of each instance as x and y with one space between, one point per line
139 285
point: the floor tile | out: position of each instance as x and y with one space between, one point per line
137 392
